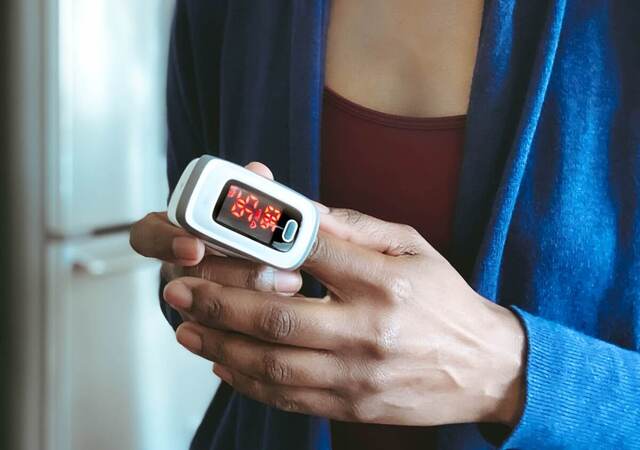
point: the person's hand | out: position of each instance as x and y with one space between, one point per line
185 255
399 339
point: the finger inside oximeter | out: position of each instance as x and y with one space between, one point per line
243 214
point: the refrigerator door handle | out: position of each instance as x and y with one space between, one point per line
99 267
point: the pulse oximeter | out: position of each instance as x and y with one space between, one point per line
240 213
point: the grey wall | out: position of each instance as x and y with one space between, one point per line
4 256
21 227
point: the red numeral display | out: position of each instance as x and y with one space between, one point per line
246 207
270 218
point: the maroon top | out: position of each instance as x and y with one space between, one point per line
400 169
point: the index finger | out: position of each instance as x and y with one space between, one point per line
336 263
155 237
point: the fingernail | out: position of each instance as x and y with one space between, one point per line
185 247
189 339
178 295
274 280
223 373
284 281
321 208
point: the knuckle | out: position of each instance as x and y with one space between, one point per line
284 402
357 220
219 351
275 371
360 412
209 303
409 231
250 387
319 250
361 221
214 310
406 240
215 351
374 381
277 323
350 216
381 341
251 276
397 288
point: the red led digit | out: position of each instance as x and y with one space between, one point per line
249 209
238 207
266 218
248 204
256 219
275 218
233 190
270 218
251 203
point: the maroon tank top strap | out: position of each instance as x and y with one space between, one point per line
392 120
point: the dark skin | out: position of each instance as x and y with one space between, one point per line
405 57
400 338
399 332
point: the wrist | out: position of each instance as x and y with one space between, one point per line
508 361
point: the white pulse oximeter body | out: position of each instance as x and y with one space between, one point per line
240 213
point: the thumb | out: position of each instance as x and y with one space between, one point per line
376 234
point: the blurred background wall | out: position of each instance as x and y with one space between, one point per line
6 365
88 361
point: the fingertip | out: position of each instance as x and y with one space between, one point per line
269 279
188 249
178 295
288 282
187 335
322 209
260 169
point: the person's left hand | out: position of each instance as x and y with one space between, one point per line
400 337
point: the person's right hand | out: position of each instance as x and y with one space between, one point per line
184 255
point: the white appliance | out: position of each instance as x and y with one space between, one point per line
110 374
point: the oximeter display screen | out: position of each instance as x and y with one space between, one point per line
257 216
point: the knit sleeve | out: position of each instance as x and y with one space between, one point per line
581 392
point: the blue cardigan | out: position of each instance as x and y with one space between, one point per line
548 214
